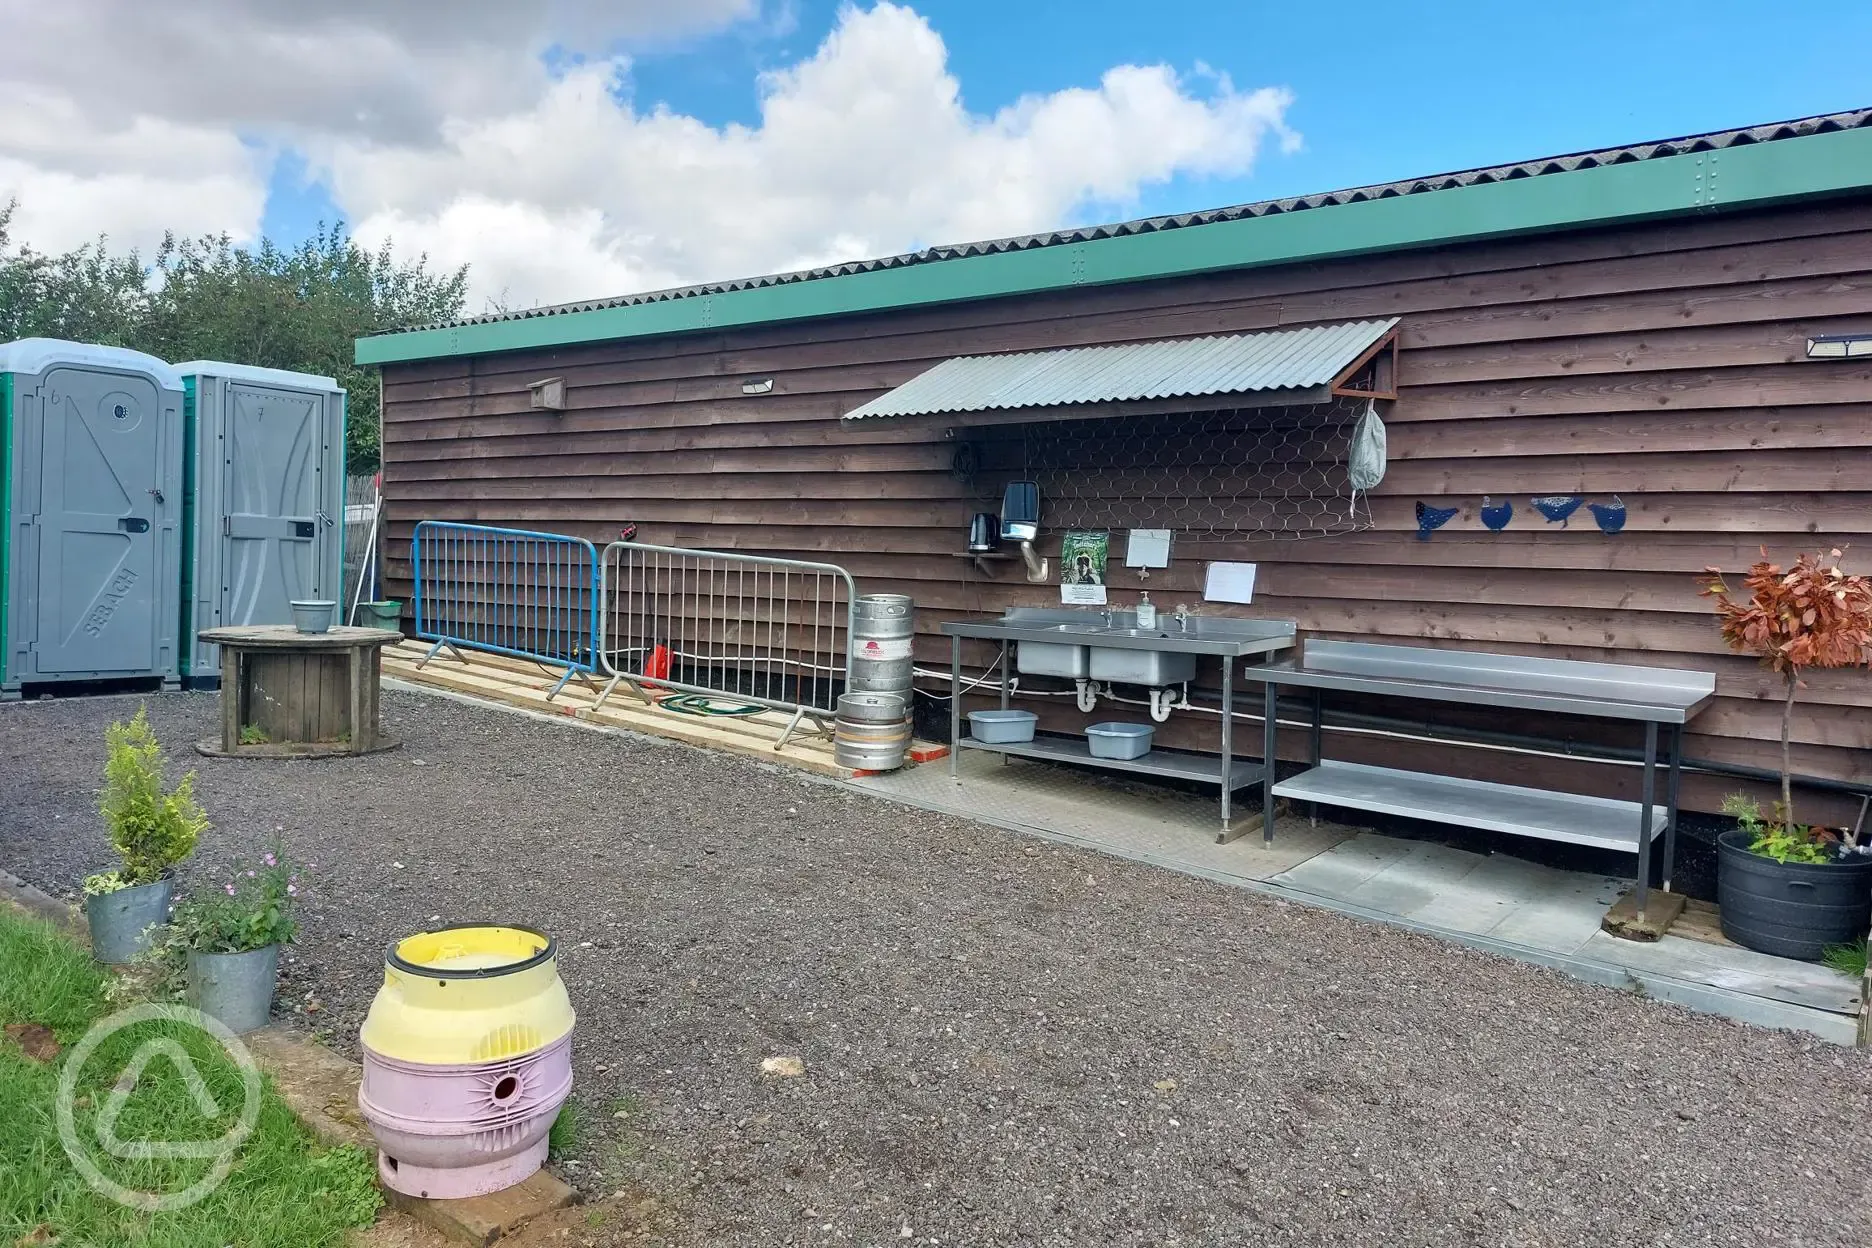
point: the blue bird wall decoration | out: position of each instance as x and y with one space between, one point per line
1557 507
1495 516
1430 519
1610 516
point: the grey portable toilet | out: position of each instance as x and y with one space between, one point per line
266 488
91 498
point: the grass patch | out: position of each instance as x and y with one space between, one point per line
565 1131
282 1190
1847 959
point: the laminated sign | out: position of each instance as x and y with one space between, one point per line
1082 568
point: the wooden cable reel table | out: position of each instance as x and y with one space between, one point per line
288 694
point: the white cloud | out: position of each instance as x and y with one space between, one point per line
453 137
132 118
864 148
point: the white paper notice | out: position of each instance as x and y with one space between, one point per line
1229 582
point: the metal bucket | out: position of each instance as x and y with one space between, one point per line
118 920
236 988
882 628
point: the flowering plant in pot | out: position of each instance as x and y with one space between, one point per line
1785 887
231 938
152 831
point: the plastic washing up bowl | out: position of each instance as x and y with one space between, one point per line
1119 741
1002 727
467 1059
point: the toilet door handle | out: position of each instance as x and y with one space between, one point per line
133 524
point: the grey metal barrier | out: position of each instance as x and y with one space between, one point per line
507 591
771 632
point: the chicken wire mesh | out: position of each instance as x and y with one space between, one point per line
1225 475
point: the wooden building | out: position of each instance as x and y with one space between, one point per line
1628 325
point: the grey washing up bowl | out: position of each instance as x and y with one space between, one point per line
1119 740
1002 727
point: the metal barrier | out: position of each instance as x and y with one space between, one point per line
766 631
507 591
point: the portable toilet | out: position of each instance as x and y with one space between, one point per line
91 500
265 486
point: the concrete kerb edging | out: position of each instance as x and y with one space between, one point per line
26 899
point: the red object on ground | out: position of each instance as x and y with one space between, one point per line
658 664
927 751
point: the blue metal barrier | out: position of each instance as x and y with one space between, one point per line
507 591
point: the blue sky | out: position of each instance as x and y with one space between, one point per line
1382 90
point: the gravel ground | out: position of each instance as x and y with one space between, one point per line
1005 1042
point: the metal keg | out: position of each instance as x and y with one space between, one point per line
871 731
882 628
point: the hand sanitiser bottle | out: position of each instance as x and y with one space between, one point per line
1146 612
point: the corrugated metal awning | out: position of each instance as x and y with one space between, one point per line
1277 366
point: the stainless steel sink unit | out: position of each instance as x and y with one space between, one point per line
1066 642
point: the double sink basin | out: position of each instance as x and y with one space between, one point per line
1079 645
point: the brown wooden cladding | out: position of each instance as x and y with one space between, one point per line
1663 364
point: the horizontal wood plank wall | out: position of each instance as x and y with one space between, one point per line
1662 364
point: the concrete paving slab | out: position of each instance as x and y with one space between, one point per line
1737 969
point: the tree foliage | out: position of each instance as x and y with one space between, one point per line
297 308
1809 615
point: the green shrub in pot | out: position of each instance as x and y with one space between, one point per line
152 828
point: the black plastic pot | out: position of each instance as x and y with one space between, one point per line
1790 909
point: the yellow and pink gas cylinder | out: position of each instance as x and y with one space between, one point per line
467 1059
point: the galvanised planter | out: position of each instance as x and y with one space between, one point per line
120 921
236 988
467 1059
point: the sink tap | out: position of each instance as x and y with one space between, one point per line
1105 616
1182 617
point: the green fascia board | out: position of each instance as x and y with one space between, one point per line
1750 175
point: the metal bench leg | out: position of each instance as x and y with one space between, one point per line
1270 726
1670 798
1313 752
1006 758
955 709
1643 891
1228 741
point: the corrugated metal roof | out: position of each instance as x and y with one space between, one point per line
1283 359
1546 166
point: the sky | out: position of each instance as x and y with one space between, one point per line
569 149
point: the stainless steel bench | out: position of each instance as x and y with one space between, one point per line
1657 697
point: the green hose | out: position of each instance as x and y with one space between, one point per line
702 704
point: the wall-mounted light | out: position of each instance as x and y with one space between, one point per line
1839 347
548 395
762 386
